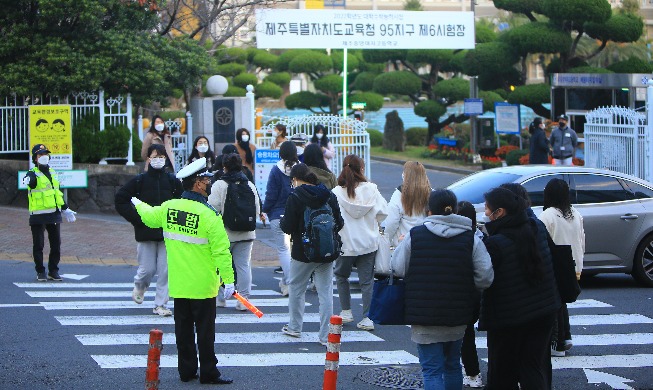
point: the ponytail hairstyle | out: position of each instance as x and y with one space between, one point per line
524 239
556 194
443 202
288 153
415 189
302 172
351 174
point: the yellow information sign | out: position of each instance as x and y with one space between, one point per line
50 125
314 4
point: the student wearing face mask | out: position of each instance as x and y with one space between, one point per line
320 138
158 135
201 149
46 207
280 136
245 148
154 187
539 145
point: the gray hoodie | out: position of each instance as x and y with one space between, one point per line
445 226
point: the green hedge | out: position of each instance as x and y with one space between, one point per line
90 145
376 137
416 136
512 158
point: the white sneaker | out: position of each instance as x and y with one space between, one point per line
162 311
240 306
555 353
568 345
346 316
286 330
366 324
138 295
284 288
473 381
220 303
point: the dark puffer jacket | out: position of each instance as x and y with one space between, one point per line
152 187
513 299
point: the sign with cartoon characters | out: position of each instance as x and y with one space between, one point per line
51 125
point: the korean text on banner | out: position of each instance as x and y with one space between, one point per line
265 160
51 125
340 29
508 119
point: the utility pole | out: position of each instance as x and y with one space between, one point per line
473 93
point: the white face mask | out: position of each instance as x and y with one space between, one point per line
542 126
202 148
245 137
158 162
43 160
275 132
159 127
319 135
300 150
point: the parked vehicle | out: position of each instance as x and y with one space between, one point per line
617 210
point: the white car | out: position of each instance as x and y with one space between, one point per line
617 210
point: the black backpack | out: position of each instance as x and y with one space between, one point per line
320 238
239 211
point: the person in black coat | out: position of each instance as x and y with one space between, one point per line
308 193
519 308
539 144
154 187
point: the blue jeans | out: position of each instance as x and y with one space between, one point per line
441 365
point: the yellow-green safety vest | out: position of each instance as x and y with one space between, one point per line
196 243
46 197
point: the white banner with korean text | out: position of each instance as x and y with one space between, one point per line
354 29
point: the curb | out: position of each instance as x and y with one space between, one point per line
427 166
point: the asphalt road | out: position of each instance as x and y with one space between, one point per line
68 336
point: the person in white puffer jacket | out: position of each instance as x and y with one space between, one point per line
409 203
363 208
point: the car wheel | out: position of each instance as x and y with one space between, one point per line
643 262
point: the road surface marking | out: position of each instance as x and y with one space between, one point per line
153 319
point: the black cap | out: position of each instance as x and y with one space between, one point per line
39 148
563 117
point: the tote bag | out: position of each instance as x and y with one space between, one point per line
383 257
565 272
387 306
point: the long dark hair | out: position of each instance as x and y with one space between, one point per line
302 172
556 194
351 174
153 130
443 202
324 142
313 157
195 154
467 209
288 153
245 145
518 190
524 237
534 125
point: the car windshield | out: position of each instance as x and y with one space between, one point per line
472 188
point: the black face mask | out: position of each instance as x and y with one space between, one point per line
563 124
207 189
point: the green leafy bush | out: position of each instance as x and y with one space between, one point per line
376 137
512 158
416 136
116 139
88 142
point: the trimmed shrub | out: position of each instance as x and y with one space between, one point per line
376 137
88 145
416 136
512 158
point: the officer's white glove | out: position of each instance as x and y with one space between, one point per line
26 181
136 201
229 290
69 215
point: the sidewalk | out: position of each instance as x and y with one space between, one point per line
102 239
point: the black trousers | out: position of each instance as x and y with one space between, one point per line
520 354
196 315
38 241
561 329
468 352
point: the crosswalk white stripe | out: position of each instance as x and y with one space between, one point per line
116 293
364 358
597 339
609 319
105 305
272 318
59 285
601 361
588 304
19 305
225 338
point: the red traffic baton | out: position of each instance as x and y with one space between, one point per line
333 354
248 305
154 360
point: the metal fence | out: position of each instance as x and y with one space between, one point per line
348 136
181 143
616 139
14 116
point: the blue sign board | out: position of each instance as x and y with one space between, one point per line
473 106
508 118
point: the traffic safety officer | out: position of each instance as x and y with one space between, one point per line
197 245
46 207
